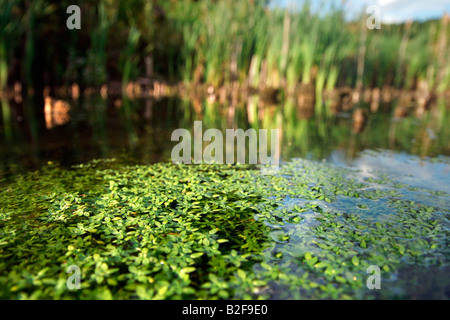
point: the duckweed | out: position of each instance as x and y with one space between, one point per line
168 231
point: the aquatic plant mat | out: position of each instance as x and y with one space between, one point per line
168 231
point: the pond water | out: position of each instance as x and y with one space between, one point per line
141 129
390 161
391 188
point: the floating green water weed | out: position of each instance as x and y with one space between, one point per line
168 231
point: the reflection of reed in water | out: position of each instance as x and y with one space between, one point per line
306 99
400 111
269 95
375 100
359 120
334 100
197 104
423 98
56 112
18 92
252 113
405 102
75 91
346 99
387 94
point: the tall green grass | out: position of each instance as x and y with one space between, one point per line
95 71
222 41
325 42
10 31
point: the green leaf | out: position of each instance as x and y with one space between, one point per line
196 255
355 260
241 273
320 265
187 270
312 261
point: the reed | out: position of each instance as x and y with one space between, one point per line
7 119
96 72
130 64
417 63
220 42
10 31
3 66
